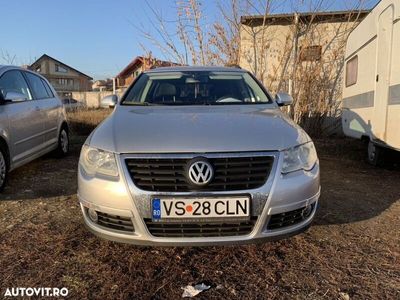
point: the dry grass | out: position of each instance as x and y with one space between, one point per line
352 248
83 121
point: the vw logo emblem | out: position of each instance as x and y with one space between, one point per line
200 172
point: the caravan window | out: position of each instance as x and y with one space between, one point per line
352 71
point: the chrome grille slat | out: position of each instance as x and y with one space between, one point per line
115 222
231 173
200 229
286 219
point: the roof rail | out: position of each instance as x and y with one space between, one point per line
232 66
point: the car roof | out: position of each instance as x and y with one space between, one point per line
11 67
195 69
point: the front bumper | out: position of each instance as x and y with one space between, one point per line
280 194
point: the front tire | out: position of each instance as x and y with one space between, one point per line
63 142
3 167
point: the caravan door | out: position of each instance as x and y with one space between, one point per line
385 30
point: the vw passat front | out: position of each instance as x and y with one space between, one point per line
198 156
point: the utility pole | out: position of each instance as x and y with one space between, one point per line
293 54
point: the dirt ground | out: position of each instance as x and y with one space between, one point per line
352 250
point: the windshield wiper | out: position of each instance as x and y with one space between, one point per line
238 103
173 103
141 104
191 103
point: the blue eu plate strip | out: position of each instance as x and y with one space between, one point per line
156 209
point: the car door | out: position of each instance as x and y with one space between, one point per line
50 107
25 124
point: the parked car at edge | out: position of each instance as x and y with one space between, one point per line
71 104
198 156
32 119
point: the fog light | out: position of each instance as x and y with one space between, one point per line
307 211
92 215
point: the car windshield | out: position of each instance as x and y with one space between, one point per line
195 88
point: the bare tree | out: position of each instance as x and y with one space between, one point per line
192 39
273 54
316 84
7 58
183 39
11 59
276 54
224 36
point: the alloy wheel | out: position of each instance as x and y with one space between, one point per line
64 141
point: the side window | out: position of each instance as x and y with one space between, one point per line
352 71
14 81
48 89
39 90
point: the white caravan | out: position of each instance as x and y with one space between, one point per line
371 94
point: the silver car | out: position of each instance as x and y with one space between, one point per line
198 156
32 119
72 104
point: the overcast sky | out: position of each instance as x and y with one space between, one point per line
98 37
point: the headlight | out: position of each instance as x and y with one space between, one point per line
95 161
301 157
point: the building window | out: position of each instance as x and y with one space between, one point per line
352 71
61 69
65 81
38 69
311 53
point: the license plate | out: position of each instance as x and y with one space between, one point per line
200 208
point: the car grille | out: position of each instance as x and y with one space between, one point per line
230 173
200 229
115 222
289 218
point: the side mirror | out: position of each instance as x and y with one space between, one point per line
15 97
283 99
109 101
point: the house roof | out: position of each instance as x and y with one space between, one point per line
285 19
139 60
61 63
102 82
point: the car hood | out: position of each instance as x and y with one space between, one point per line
197 129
